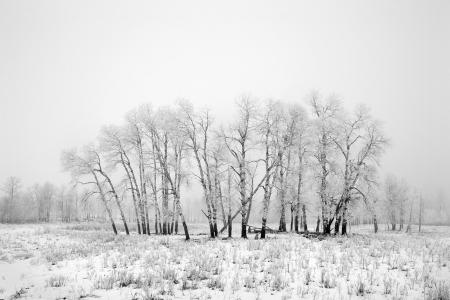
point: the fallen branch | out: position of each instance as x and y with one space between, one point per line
259 229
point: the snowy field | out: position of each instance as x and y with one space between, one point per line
86 261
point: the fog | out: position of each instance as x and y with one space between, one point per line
67 68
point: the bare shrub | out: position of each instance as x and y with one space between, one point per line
57 281
439 290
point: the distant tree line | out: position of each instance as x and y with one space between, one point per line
38 203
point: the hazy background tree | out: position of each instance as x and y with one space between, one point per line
11 188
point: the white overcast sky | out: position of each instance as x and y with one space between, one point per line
68 67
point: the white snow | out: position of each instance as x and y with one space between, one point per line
60 262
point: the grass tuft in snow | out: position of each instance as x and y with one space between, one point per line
57 281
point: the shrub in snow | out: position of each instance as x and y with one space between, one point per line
439 290
57 281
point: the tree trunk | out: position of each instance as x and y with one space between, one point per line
157 216
239 211
299 189
344 226
243 228
420 213
282 226
143 191
186 233
176 224
344 220
119 206
165 202
230 220
124 221
400 227
305 224
147 219
114 227
375 223
323 188
214 217
154 186
337 223
266 201
206 189
142 213
282 193
344 216
102 197
210 221
222 207
211 230
318 224
408 228
243 221
268 184
249 210
172 222
243 193
292 219
263 228
216 233
326 225
133 194
230 226
137 220
180 212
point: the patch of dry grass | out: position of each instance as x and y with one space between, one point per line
288 266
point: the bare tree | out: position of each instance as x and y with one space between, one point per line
368 191
238 142
84 165
229 218
197 129
391 196
44 196
285 160
135 138
219 169
395 199
11 188
360 142
162 130
411 205
100 170
403 199
270 132
114 144
153 181
301 141
324 112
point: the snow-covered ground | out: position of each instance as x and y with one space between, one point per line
85 261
